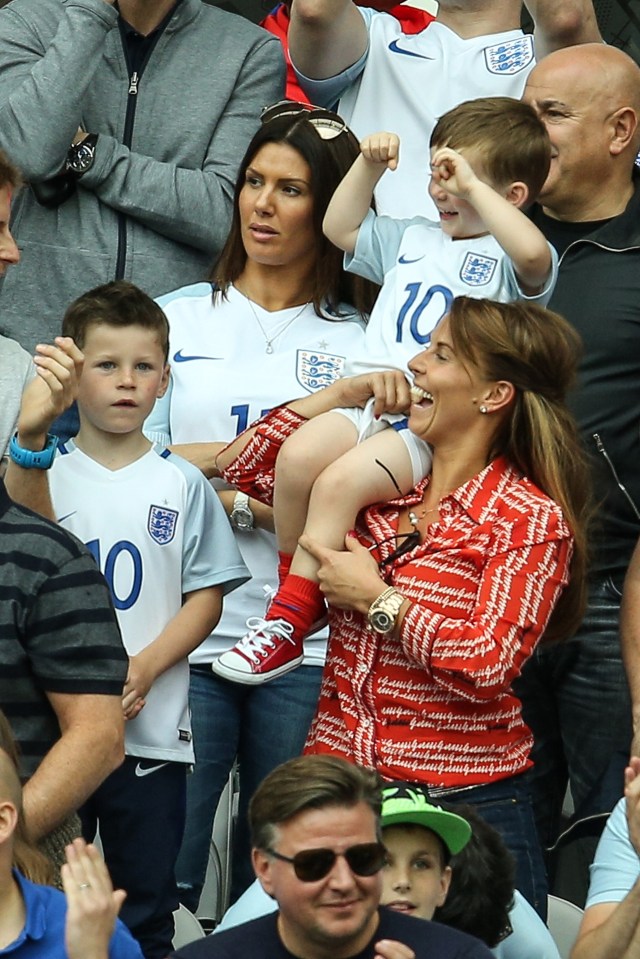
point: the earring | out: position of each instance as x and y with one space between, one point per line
483 409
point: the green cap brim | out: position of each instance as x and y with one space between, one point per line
454 831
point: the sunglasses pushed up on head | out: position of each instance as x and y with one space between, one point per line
327 124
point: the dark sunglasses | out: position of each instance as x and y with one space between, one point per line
411 539
327 124
310 865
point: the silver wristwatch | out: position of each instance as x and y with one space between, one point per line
242 517
383 612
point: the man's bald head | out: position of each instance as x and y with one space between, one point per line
597 71
589 99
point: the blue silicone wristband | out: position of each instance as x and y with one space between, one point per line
30 460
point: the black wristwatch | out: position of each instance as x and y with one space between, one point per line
81 156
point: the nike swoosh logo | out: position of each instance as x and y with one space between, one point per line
61 519
141 770
403 259
179 357
393 46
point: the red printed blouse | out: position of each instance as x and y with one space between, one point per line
435 705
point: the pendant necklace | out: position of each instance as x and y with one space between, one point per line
415 519
269 341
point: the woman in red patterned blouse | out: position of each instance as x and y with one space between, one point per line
441 595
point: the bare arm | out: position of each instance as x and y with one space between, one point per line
630 639
611 930
520 239
262 514
198 615
564 24
349 578
201 455
325 36
351 201
90 747
48 395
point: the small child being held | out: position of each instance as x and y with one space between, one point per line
163 543
489 159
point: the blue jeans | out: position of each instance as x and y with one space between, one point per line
263 726
576 702
506 805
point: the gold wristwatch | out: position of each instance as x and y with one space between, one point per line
384 610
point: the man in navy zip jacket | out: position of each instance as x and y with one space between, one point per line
575 695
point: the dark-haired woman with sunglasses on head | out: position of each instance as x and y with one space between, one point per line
441 595
279 316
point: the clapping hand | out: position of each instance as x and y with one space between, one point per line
92 903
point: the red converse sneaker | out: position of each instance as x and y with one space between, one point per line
267 651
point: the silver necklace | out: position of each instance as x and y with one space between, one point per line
269 341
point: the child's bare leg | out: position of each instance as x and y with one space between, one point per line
301 460
347 485
273 645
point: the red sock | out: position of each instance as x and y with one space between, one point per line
300 602
284 565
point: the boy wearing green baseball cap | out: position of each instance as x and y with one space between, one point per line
420 838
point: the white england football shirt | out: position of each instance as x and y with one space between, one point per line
222 379
156 531
422 269
406 82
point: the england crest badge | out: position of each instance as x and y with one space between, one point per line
162 524
511 56
477 270
315 370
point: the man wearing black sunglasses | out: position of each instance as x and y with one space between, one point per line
315 824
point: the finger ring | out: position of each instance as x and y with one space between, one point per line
84 885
